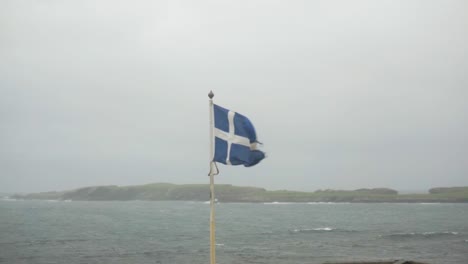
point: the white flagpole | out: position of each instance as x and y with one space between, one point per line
212 194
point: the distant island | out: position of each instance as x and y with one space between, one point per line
229 193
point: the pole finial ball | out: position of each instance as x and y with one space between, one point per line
211 95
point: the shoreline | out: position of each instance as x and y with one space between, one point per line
9 199
226 193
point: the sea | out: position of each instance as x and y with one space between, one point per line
178 232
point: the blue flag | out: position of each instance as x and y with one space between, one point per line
235 139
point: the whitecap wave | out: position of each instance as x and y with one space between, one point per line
327 203
321 230
8 199
324 229
310 230
422 234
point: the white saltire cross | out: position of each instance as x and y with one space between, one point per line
230 137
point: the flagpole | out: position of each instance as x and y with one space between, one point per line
212 194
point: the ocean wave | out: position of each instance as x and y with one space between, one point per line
421 234
47 241
8 199
279 203
318 230
305 203
328 202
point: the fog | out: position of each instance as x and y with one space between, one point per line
343 94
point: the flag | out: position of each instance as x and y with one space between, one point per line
235 140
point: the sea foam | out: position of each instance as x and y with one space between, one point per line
421 234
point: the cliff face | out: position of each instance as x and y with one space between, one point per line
229 193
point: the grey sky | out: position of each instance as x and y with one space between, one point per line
344 94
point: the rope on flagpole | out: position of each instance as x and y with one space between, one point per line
213 166
213 169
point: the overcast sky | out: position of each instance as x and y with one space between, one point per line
343 94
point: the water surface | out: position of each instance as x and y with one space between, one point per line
178 232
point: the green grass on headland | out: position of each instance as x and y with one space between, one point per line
229 193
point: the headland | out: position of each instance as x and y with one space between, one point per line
230 193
